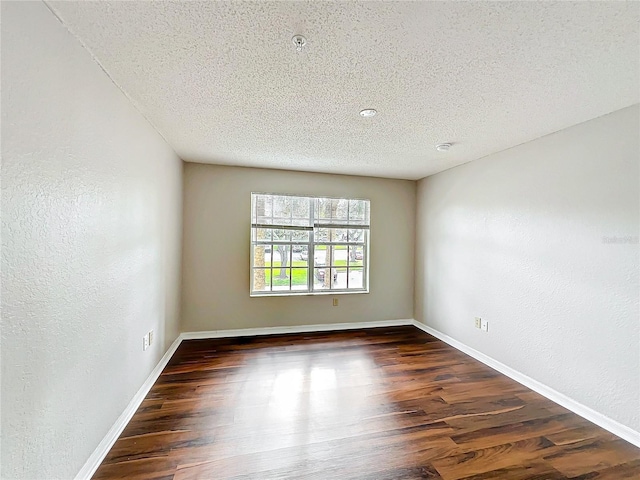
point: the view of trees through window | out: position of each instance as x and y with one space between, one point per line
308 244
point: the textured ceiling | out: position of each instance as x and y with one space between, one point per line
223 83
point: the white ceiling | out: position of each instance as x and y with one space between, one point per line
223 83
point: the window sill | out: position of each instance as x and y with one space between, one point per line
308 294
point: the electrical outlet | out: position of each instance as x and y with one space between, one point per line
478 322
145 342
150 337
335 302
484 325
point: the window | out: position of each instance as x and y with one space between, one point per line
308 245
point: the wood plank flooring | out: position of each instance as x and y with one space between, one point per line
376 404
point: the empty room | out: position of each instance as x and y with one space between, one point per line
355 240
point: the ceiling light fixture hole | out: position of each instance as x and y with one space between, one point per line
443 147
368 112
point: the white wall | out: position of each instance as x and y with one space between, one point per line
217 215
91 225
519 238
91 233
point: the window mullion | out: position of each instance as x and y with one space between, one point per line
331 261
365 262
348 269
271 268
312 251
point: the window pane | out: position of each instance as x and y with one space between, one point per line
339 255
260 234
261 208
261 255
321 279
268 249
280 210
281 278
338 235
300 256
339 278
356 255
280 235
281 221
322 254
261 280
332 210
356 278
299 277
331 235
281 207
321 234
299 235
280 256
356 236
300 207
358 212
323 208
340 209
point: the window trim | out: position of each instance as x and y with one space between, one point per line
310 244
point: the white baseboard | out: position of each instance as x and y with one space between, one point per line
599 419
98 455
107 442
250 332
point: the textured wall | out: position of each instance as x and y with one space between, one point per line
91 214
217 215
542 241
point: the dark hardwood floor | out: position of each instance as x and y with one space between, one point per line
377 404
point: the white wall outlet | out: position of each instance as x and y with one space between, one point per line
145 342
150 337
484 325
478 323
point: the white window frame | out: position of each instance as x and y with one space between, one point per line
313 225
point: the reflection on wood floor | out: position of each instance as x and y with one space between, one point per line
376 404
